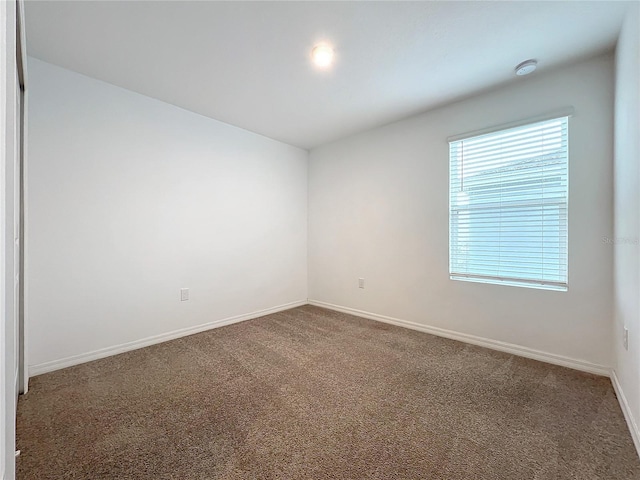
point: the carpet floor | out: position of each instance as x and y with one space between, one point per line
315 394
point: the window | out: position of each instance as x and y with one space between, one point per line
508 206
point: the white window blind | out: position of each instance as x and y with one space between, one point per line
508 206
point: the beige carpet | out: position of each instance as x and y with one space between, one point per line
313 394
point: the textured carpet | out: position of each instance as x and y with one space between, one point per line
314 394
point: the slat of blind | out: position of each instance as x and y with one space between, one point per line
546 138
515 203
516 135
476 171
552 172
508 205
514 208
523 271
532 157
479 217
480 173
517 272
509 164
522 220
531 149
519 266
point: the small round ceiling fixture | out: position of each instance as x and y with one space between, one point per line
526 67
322 55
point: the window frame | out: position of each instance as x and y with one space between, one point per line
538 283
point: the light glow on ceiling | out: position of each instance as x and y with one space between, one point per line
322 55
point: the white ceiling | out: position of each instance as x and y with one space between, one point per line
247 63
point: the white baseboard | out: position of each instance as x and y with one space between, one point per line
46 367
626 410
480 341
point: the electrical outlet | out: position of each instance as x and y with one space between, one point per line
361 283
625 338
184 294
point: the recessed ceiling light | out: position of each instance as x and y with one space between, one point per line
322 55
526 67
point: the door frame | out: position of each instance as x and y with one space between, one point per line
21 60
13 60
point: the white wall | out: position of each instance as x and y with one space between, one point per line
627 216
378 209
131 199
